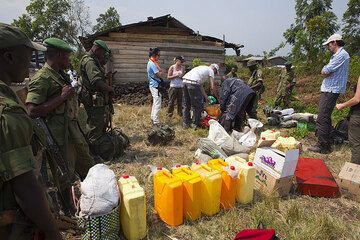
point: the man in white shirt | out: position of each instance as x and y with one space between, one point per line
194 93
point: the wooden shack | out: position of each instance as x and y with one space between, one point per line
130 45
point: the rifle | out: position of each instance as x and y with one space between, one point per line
59 169
109 98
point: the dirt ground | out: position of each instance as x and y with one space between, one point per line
293 217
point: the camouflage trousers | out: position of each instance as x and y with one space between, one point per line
283 98
97 122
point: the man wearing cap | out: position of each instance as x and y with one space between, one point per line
336 76
52 97
194 93
96 93
285 87
23 205
256 83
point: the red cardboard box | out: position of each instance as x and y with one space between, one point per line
314 179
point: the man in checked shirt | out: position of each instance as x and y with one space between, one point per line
334 84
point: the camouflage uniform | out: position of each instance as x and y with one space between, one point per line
95 102
285 87
62 122
257 84
16 131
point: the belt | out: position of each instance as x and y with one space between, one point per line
190 82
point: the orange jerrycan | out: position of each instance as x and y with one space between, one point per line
191 191
245 181
133 208
210 188
168 197
228 186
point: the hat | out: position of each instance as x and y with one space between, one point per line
334 37
181 58
11 36
214 65
251 63
58 44
102 44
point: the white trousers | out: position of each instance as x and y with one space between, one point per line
156 105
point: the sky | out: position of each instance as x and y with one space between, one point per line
257 24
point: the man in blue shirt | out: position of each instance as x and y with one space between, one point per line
334 84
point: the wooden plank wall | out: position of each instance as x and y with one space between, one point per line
130 53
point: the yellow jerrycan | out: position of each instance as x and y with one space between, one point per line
245 181
168 197
210 188
285 144
191 191
228 186
132 208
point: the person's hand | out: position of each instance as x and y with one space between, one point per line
207 102
340 106
67 92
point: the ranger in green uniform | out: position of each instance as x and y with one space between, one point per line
286 85
257 84
96 95
23 203
52 97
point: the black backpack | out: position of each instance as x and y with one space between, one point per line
340 132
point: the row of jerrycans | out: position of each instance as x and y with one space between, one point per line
203 188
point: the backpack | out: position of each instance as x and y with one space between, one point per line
111 145
340 133
161 135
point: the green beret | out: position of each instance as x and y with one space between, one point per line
102 44
58 44
11 36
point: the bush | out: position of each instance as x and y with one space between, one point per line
354 71
196 62
230 62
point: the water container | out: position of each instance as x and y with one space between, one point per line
285 144
168 197
228 186
210 188
245 181
191 191
132 208
269 135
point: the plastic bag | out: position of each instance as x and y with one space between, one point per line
229 144
201 156
248 140
210 148
237 135
99 192
254 123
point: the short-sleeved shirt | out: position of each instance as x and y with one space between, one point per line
45 85
151 71
91 71
199 75
16 131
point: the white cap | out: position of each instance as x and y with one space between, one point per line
334 37
214 65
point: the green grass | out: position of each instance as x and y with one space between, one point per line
294 217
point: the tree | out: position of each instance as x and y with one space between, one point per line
273 51
109 19
351 30
314 23
64 19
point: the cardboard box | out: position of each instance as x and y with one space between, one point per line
266 182
349 181
277 163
